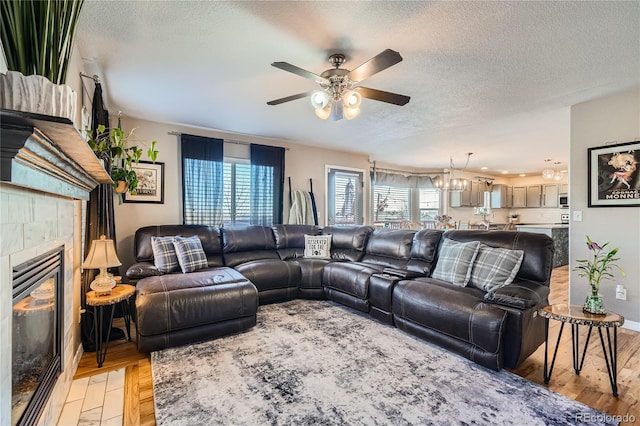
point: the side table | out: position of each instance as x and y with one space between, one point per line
574 315
119 295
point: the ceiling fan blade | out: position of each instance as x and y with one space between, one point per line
380 62
380 95
290 98
285 66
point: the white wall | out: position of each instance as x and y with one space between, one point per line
301 164
609 120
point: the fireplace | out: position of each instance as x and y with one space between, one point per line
37 334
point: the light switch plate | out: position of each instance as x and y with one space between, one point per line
577 216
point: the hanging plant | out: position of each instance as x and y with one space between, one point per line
112 146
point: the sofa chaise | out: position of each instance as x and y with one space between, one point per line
391 274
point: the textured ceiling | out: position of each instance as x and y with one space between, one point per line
493 78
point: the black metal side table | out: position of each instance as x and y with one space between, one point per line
574 315
120 294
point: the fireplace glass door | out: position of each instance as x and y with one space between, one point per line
36 335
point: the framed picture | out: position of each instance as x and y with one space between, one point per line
614 178
150 183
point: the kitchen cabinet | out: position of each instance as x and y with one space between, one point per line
550 195
501 196
519 197
534 196
564 188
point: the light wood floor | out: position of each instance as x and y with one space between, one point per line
591 387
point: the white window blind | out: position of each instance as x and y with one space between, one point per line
237 192
429 203
391 203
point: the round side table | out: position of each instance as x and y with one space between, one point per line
119 295
574 315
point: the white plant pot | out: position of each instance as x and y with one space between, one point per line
34 93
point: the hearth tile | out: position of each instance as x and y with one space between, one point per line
70 413
98 378
95 396
114 421
115 380
113 404
4 207
90 417
12 238
78 389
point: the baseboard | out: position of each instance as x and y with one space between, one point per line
631 325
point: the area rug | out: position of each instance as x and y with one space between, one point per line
318 363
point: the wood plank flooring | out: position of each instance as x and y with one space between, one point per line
591 387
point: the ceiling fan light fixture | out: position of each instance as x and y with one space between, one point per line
351 113
319 99
352 99
323 113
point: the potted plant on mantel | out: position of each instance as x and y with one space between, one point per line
37 37
111 146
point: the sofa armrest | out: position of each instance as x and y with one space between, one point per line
402 273
141 270
519 295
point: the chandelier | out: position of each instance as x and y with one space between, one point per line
550 173
454 183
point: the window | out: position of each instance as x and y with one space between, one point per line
344 196
237 192
429 203
391 203
221 190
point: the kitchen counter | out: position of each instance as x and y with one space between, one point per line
560 235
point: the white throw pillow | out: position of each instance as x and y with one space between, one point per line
317 246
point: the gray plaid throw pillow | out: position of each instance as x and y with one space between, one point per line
190 253
455 261
164 254
495 267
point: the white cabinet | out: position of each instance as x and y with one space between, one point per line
501 196
534 196
564 188
550 195
519 197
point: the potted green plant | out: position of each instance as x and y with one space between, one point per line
112 146
37 37
597 268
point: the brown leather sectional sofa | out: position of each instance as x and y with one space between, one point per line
386 273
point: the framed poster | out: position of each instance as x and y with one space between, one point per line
150 183
614 179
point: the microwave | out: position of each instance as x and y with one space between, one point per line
563 201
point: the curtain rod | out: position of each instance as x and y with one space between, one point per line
382 169
95 78
225 140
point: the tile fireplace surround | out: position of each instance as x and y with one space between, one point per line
41 208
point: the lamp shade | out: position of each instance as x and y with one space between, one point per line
101 255
350 113
319 99
352 99
323 113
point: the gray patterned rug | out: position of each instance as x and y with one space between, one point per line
315 362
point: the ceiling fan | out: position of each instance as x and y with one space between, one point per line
340 96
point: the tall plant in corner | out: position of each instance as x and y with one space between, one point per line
38 36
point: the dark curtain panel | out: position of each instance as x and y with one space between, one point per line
267 184
202 180
99 221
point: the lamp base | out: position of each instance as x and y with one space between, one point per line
103 285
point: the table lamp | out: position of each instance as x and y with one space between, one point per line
102 255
